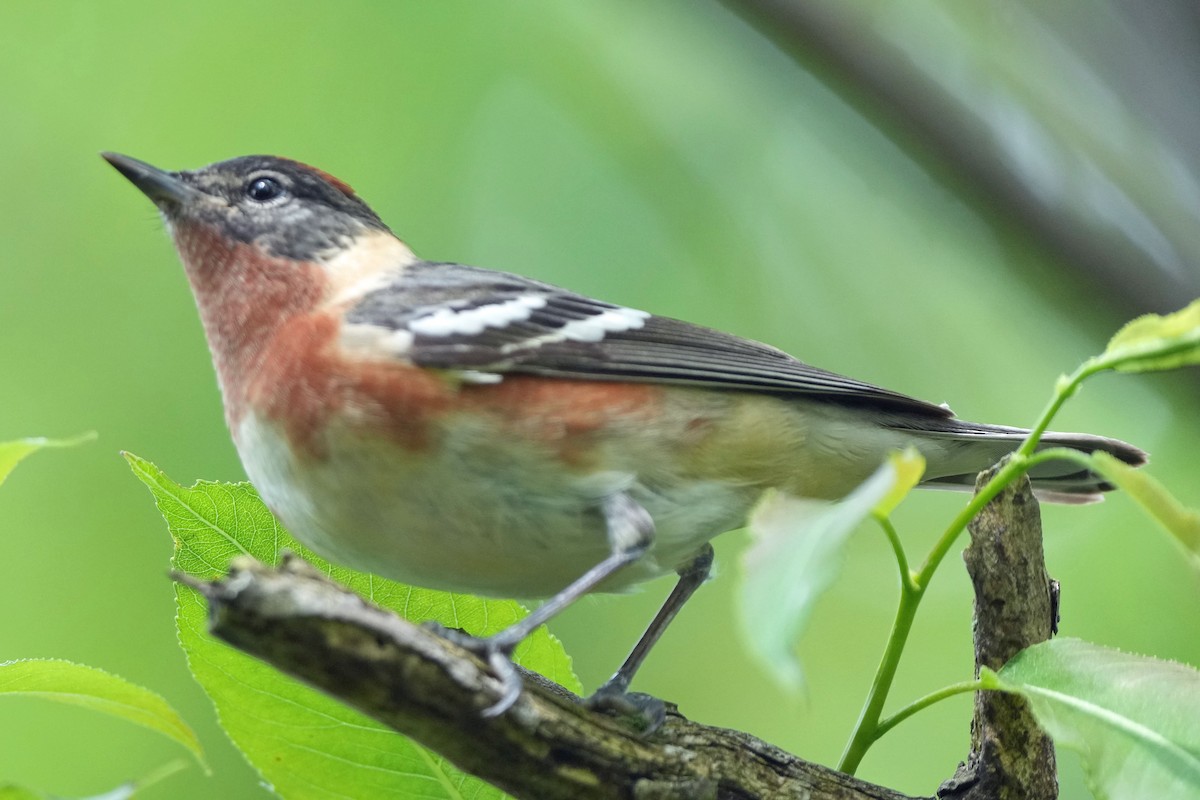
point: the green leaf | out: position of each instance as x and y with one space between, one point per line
909 465
131 788
797 554
11 453
10 791
127 790
76 684
1134 720
1180 521
304 743
122 792
1154 342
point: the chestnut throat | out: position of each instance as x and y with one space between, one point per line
245 296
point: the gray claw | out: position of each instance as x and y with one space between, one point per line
494 651
643 711
510 682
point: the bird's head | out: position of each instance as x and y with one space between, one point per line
265 240
287 209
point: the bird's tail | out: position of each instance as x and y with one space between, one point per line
966 448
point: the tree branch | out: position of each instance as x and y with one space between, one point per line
547 746
1015 607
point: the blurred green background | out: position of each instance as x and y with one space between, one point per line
959 201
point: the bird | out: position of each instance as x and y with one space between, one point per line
473 430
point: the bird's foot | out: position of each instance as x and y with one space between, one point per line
645 713
495 651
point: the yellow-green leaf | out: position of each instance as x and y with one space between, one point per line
88 687
11 453
126 791
1156 342
909 466
797 553
1181 522
10 791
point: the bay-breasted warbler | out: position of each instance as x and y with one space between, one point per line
471 430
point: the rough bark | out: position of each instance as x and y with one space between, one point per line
1015 606
547 746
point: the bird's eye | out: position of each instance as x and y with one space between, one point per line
263 189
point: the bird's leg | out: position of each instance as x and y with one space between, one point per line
691 575
614 694
630 534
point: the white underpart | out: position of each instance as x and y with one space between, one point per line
472 321
468 516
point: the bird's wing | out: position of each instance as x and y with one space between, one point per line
485 324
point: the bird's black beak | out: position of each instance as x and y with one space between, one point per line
164 188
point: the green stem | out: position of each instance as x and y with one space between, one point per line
1059 454
926 701
906 576
1067 386
161 773
1007 473
867 727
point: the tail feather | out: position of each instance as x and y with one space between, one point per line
967 448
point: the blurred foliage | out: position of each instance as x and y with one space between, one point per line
1063 116
664 155
798 552
14 452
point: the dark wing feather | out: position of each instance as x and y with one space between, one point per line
670 351
660 350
